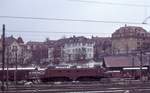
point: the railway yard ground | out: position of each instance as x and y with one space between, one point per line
113 86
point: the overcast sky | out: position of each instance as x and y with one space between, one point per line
69 9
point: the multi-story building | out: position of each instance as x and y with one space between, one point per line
39 52
51 54
102 47
54 51
129 38
15 51
77 49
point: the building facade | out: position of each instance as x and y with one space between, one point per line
39 52
15 51
129 38
102 47
78 48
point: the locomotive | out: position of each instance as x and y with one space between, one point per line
72 74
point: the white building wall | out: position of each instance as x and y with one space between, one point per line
71 49
50 54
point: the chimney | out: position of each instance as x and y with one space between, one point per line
74 36
125 25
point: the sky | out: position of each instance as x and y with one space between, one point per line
101 10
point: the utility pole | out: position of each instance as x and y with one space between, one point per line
149 65
16 59
141 64
3 58
16 68
69 57
14 50
7 76
133 64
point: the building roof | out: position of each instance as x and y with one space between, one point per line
34 43
74 39
130 32
130 29
20 40
11 39
100 41
123 61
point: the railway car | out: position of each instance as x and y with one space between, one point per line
72 74
21 73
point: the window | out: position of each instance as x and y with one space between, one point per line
89 55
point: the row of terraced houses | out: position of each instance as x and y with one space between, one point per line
127 40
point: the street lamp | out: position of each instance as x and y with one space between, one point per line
36 70
14 50
140 54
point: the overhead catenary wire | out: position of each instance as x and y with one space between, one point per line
37 36
73 20
55 32
70 20
37 32
115 4
33 31
111 3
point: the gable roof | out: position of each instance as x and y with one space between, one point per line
9 40
20 40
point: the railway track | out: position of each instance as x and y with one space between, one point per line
93 87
